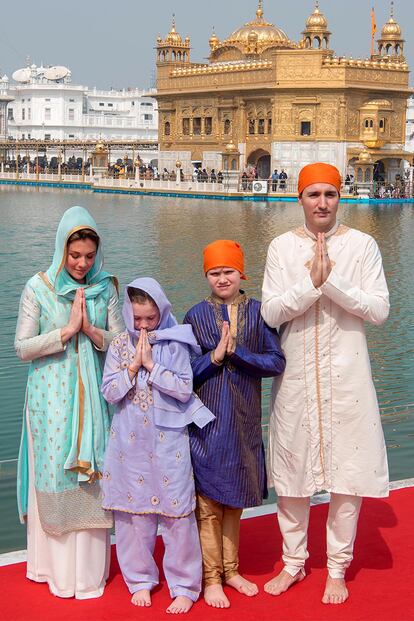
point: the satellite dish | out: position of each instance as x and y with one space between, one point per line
22 75
56 73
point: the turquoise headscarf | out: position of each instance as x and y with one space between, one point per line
75 219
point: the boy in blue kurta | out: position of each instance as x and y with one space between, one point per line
238 349
148 478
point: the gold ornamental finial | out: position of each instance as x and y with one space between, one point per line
259 12
392 9
316 5
173 23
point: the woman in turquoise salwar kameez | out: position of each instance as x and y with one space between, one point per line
67 319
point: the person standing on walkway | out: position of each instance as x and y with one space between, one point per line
238 349
322 282
67 319
148 479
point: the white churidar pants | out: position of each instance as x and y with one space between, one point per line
75 564
341 528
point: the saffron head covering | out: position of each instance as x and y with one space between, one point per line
96 280
319 173
224 253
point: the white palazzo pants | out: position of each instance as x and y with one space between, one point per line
341 528
75 564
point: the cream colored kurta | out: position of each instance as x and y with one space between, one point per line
325 429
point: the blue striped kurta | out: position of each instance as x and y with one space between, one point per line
228 454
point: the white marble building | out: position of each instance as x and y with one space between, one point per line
48 106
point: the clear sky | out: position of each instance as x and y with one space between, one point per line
110 43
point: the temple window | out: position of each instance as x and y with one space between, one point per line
167 128
371 124
261 126
305 128
197 125
382 125
251 126
269 126
208 125
227 126
186 126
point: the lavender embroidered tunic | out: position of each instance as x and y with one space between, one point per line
147 466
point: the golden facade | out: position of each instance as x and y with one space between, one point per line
282 103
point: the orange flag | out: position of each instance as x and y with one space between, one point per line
373 30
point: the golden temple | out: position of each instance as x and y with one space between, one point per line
277 103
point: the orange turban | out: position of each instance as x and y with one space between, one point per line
224 253
319 173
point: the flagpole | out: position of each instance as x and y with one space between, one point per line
373 30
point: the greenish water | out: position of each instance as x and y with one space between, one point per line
164 238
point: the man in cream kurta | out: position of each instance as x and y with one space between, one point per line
321 283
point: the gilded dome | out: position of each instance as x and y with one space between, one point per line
267 34
364 157
391 30
173 36
213 40
316 21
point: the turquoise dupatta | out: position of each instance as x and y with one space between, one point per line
68 416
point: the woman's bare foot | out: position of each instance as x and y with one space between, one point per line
141 598
179 605
281 583
335 591
242 585
214 596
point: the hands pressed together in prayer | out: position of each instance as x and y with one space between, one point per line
321 266
226 344
79 321
143 355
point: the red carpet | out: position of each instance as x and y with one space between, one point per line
380 580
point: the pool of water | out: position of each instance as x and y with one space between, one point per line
164 237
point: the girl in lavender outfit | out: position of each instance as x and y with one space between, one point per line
148 478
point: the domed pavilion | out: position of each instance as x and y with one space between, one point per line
282 102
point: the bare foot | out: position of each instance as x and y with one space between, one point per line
141 598
242 585
179 605
280 583
335 591
214 596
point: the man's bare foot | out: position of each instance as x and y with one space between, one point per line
179 605
141 598
214 596
335 591
243 586
280 583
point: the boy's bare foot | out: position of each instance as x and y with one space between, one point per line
214 596
280 583
242 585
141 598
335 591
179 605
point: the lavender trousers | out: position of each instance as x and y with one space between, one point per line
135 542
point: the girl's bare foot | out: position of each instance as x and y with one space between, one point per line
179 605
214 596
335 591
242 585
282 582
141 598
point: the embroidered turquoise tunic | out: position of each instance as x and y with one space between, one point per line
67 415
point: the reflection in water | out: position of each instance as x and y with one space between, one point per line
164 238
